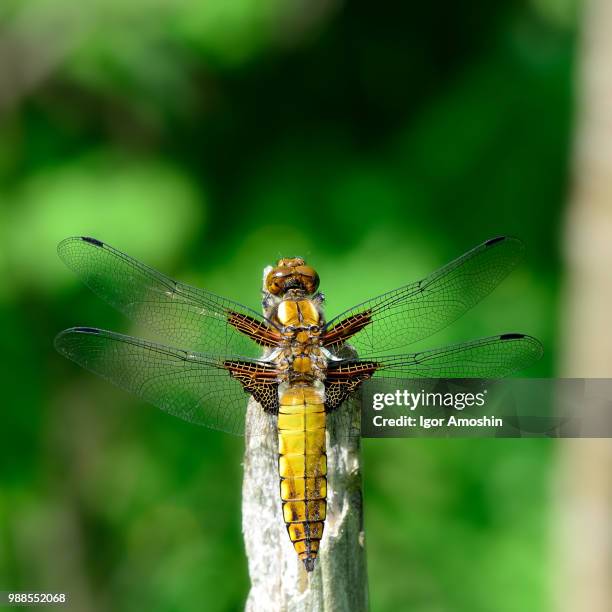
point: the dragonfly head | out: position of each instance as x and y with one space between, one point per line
292 273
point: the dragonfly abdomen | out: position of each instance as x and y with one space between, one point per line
302 466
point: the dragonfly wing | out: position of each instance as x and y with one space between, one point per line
189 316
416 311
494 357
193 386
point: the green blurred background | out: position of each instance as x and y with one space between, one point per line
207 139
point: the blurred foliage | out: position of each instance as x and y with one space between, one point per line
207 139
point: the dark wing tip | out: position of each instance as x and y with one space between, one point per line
63 338
64 247
511 240
309 564
495 240
85 330
537 350
93 241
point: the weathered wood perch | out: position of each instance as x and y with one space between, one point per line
279 582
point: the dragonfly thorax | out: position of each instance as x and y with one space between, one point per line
300 320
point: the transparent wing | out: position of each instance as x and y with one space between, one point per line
193 386
416 311
187 316
494 357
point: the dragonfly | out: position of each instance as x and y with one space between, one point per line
298 366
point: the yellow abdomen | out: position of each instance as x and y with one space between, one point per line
302 465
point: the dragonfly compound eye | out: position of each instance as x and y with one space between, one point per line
292 274
276 279
308 277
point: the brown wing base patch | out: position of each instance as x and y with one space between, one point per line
340 333
257 331
344 380
258 380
